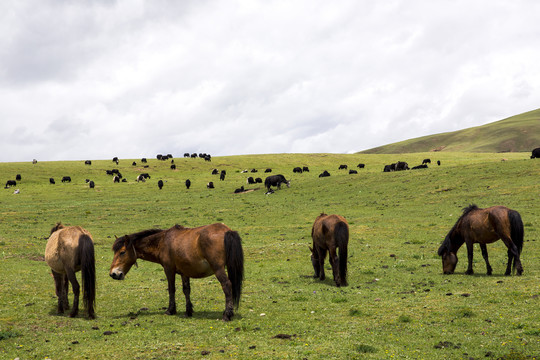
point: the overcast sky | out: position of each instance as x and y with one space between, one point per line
96 79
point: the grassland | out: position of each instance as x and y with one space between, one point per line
398 304
520 133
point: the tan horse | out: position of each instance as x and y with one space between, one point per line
69 250
192 253
329 233
484 226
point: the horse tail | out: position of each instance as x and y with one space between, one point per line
234 259
341 235
516 231
88 271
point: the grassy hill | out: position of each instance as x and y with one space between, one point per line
520 133
398 304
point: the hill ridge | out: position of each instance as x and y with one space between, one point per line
519 133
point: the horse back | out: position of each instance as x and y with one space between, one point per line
62 248
487 225
196 252
323 229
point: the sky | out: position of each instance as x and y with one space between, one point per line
102 78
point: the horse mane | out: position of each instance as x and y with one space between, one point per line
451 237
57 227
119 242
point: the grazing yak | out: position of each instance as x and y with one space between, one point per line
305 169
18 177
353 172
426 161
66 179
222 175
188 183
88 162
160 184
535 154
250 180
51 181
343 167
240 190
276 180
215 171
399 166
298 170
423 166
268 170
361 166
91 184
210 185
10 183
324 174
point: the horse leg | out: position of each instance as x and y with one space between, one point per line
227 289
322 256
485 255
170 274
513 255
186 287
470 249
334 262
60 289
76 291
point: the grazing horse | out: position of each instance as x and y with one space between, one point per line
484 226
192 253
69 250
329 233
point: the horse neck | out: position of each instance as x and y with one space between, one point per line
147 248
456 240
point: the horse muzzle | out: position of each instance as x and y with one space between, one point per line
117 275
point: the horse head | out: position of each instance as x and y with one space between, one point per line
449 260
125 256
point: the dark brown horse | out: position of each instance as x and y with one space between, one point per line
329 233
484 226
192 253
71 249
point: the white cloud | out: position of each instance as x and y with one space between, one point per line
135 78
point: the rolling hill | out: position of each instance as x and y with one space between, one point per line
519 133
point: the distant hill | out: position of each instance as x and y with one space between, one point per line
520 133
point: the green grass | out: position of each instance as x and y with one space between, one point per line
398 303
520 133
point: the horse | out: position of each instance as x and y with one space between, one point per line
329 233
192 253
69 250
484 226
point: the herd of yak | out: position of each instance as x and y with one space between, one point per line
273 180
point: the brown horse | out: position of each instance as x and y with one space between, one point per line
484 226
329 233
71 249
192 253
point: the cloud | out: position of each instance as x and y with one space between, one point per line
142 77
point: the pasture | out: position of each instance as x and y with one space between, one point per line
398 303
